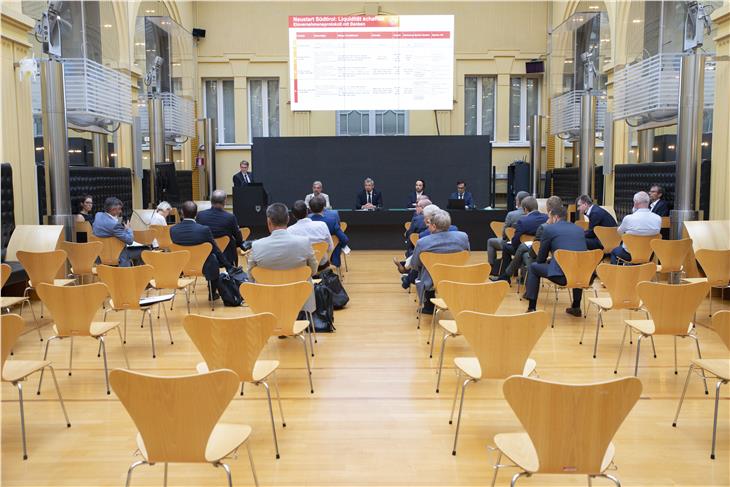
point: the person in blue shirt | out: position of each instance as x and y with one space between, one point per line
332 219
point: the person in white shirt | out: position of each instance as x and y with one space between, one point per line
641 222
159 217
317 190
314 231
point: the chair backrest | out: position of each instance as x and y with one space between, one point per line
413 238
510 232
672 306
484 297
41 266
262 275
639 247
282 300
198 255
33 238
474 274
716 264
721 325
501 343
222 242
497 228
11 327
671 253
126 284
245 233
83 227
621 281
430 259
343 226
407 226
320 250
166 266
82 256
230 343
578 266
162 235
569 425
582 224
73 307
5 271
110 250
175 415
608 236
145 237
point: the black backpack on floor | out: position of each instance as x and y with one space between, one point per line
229 286
333 283
324 315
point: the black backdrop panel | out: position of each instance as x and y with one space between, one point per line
7 220
566 183
288 165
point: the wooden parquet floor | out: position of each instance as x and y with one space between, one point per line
374 418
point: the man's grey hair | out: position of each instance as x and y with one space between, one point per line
521 195
369 180
424 202
441 220
218 197
278 213
642 198
316 183
112 202
164 206
429 210
529 204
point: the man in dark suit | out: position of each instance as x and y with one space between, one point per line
188 233
527 225
597 217
658 204
559 234
369 198
243 177
332 219
462 194
417 193
222 224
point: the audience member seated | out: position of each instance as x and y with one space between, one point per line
108 224
188 233
440 241
657 203
86 206
369 198
641 222
597 216
495 243
418 192
558 234
525 255
159 217
317 190
222 224
418 223
527 225
315 231
332 219
462 194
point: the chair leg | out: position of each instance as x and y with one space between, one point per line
314 330
165 477
555 305
714 423
595 342
456 393
70 356
106 368
684 391
699 355
60 398
441 360
620 349
124 349
432 336
45 355
638 349
613 479
461 407
496 469
516 477
22 418
653 348
125 326
309 336
131 468
271 414
167 322
253 469
306 359
152 333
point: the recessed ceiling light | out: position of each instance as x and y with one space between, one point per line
149 11
593 7
107 26
636 21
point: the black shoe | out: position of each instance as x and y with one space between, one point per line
577 312
427 311
530 310
505 277
405 283
399 266
213 296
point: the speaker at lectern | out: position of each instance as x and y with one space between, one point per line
249 203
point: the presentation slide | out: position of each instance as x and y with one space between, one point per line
384 62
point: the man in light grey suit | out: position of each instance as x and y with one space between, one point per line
282 250
494 244
107 224
440 241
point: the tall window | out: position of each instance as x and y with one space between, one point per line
479 113
524 101
373 122
263 107
219 105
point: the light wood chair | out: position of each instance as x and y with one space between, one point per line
608 236
222 242
194 268
482 297
718 368
320 250
497 228
413 239
77 320
42 267
245 233
343 227
502 345
430 259
8 302
716 265
335 243
671 308
581 418
582 224
162 235
177 418
111 249
82 257
578 267
283 301
126 288
16 371
83 227
407 226
510 232
639 246
620 282
235 344
33 238
145 237
671 254
166 270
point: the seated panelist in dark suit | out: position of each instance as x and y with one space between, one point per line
658 204
527 225
369 198
332 219
188 233
597 217
243 177
462 194
558 234
419 191
222 224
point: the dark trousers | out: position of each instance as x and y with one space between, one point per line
532 288
593 243
619 252
507 252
